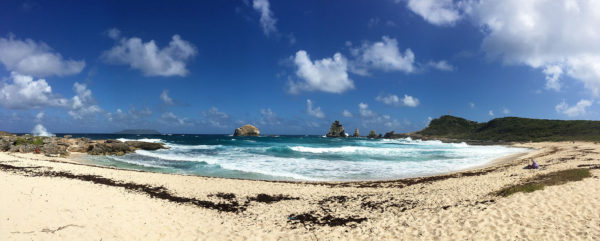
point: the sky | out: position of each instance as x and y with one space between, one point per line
293 67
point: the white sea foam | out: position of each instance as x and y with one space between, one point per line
142 139
356 160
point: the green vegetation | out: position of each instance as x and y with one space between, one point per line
513 129
38 141
550 179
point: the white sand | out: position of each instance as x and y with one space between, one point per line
57 208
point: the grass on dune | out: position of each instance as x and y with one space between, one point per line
550 179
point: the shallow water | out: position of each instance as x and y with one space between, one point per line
310 158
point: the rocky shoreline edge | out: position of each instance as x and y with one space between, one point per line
63 146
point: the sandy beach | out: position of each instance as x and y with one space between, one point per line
47 198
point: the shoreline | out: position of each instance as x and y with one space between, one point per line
56 199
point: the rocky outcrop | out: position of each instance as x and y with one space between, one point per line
247 130
372 134
389 135
336 130
57 146
148 146
4 133
356 134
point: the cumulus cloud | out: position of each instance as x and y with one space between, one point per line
442 65
327 75
83 104
384 55
347 113
370 118
164 96
23 92
557 37
40 130
268 117
316 112
132 117
491 113
438 12
573 111
267 20
171 118
216 118
35 58
394 100
505 111
150 59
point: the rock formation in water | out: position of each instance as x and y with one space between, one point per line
336 130
247 130
389 135
356 134
372 134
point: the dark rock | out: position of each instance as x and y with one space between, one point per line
54 149
247 130
149 146
372 134
389 134
118 149
336 130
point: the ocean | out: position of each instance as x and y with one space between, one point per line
300 158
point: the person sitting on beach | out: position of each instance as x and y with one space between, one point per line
533 165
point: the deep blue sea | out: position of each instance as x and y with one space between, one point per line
300 158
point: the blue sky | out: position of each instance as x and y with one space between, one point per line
292 67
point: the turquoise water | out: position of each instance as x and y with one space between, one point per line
307 158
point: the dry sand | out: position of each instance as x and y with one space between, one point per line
54 199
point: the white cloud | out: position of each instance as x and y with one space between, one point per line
472 105
370 118
558 37
268 117
410 101
83 104
385 55
150 59
327 75
40 130
171 118
572 111
347 113
316 112
216 118
553 73
35 58
438 12
396 101
389 99
491 113
113 33
442 65
267 20
26 93
505 111
39 116
164 96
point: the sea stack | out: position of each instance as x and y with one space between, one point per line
356 134
336 130
247 130
372 134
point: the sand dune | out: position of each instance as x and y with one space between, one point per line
97 203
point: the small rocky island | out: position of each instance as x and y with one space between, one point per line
63 146
247 130
336 130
